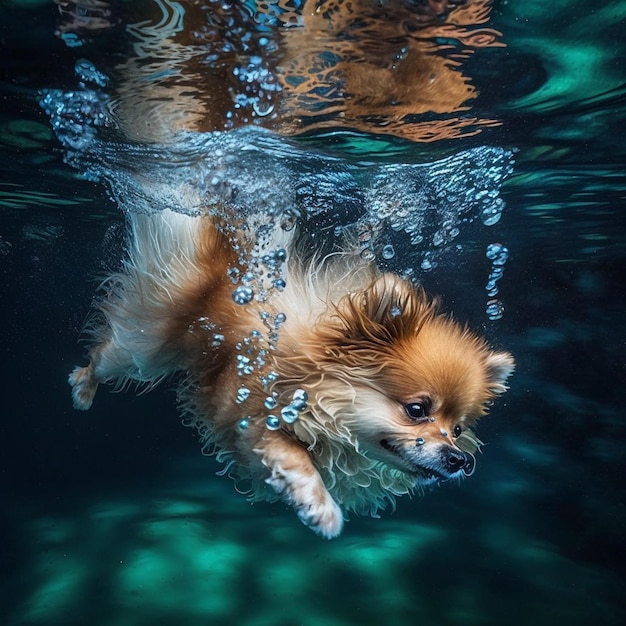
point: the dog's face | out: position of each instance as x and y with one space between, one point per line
417 381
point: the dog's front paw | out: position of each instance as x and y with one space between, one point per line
84 386
325 518
313 504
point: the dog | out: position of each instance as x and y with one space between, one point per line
316 377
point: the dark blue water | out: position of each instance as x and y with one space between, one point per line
115 517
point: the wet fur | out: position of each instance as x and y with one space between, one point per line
362 344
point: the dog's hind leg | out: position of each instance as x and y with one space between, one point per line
294 477
84 386
106 364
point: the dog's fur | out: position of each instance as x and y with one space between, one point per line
394 387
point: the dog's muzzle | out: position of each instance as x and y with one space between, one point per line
455 460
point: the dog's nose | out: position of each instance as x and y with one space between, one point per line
455 460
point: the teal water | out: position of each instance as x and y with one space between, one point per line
114 517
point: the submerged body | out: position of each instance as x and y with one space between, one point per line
334 386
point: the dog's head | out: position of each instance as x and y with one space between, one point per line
407 382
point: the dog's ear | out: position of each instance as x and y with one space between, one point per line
386 311
500 366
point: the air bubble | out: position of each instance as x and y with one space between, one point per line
495 309
272 422
492 213
300 395
497 253
388 252
270 402
289 414
243 393
262 109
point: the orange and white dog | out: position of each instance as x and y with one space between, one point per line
318 380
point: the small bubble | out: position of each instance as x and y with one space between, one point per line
270 403
419 441
217 340
289 414
243 394
388 252
262 108
272 422
280 284
395 311
367 254
243 424
438 238
300 395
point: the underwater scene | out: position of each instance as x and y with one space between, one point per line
348 279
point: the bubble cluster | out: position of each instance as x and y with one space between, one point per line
269 379
203 323
243 393
243 294
87 73
243 365
259 272
498 255
257 86
290 412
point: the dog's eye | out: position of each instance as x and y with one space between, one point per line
417 410
457 430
